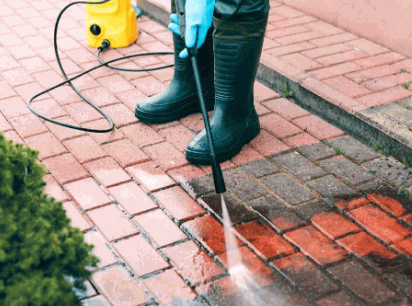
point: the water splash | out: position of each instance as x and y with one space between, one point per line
250 293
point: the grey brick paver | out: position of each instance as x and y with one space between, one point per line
351 173
260 168
299 166
314 208
317 151
332 189
354 149
391 170
288 189
280 216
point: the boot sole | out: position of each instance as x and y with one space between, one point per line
193 107
196 159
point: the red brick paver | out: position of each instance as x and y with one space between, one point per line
379 224
112 222
193 263
160 228
140 255
87 194
119 287
316 245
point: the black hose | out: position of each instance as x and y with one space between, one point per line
67 80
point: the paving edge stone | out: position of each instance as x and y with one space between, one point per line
345 113
359 124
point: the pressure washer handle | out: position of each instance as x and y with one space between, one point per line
180 11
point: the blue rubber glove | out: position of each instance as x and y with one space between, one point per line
199 14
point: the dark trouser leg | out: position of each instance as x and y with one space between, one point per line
237 50
241 10
180 98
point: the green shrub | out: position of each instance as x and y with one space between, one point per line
39 248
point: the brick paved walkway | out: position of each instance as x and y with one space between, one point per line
356 84
317 214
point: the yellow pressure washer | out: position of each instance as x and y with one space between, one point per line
113 21
109 23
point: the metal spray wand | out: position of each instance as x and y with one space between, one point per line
217 172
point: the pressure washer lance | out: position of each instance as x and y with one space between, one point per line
217 172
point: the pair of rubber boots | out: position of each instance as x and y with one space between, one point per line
228 63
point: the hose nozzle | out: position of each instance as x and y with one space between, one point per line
218 177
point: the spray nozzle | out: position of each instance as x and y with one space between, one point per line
218 177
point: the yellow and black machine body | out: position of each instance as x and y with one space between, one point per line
114 21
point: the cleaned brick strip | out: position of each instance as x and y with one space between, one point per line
264 239
166 155
256 270
388 204
380 224
404 246
384 97
334 225
208 231
371 251
316 245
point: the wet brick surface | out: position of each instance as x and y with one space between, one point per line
313 208
237 211
316 245
306 275
363 283
154 218
280 217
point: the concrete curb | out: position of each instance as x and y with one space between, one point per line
365 124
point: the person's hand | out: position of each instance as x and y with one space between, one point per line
199 14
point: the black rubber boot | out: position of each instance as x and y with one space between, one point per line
237 50
180 98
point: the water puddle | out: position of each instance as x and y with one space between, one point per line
250 293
